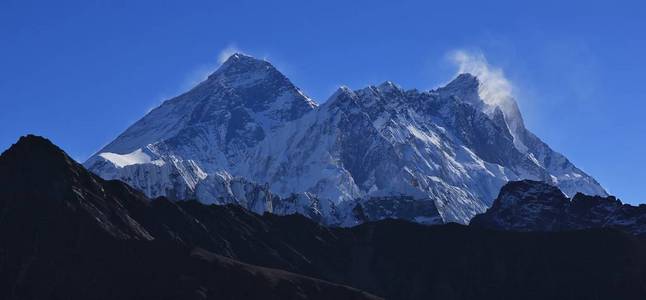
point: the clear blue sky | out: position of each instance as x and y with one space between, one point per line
81 72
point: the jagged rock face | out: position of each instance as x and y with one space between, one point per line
402 207
537 206
607 212
247 122
526 206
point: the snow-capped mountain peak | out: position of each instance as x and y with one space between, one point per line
389 87
240 70
464 88
491 99
247 135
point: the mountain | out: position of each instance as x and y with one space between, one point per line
537 206
68 234
247 135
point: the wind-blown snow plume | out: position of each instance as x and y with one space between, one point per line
203 71
227 52
494 88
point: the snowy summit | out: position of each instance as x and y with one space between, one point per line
247 135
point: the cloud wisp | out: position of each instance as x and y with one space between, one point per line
198 74
495 89
227 52
201 72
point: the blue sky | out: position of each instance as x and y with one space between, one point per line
81 72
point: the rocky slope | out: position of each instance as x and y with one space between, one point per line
67 234
537 206
247 135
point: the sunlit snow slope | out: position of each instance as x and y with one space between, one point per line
247 135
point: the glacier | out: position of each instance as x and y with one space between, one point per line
247 135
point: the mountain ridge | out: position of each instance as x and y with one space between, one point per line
54 244
536 206
68 234
247 127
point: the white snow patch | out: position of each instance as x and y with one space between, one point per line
136 157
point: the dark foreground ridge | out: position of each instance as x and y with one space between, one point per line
67 234
536 206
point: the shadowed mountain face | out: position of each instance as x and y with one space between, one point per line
65 233
536 206
248 136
